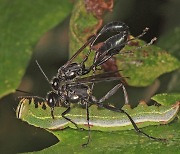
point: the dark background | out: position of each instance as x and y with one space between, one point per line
161 16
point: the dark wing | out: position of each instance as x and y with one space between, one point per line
107 76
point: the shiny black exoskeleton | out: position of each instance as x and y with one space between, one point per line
114 44
81 94
77 94
111 46
68 86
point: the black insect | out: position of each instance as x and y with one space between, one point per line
78 93
81 94
69 87
72 70
110 47
71 73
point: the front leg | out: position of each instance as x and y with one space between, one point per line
89 130
52 112
68 119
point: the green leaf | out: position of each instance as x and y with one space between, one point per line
21 26
166 99
143 67
82 25
145 64
170 42
114 141
117 142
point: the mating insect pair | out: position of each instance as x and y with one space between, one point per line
70 74
68 86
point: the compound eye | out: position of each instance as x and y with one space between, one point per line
55 84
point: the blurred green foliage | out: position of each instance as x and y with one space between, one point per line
22 23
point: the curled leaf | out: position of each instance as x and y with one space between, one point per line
166 99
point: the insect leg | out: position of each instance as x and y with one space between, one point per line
110 93
125 95
86 57
68 119
132 121
79 51
87 112
113 91
52 112
147 44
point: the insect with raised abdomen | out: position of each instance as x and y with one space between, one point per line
111 46
69 87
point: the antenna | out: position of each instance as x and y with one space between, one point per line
27 97
42 71
148 44
22 91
